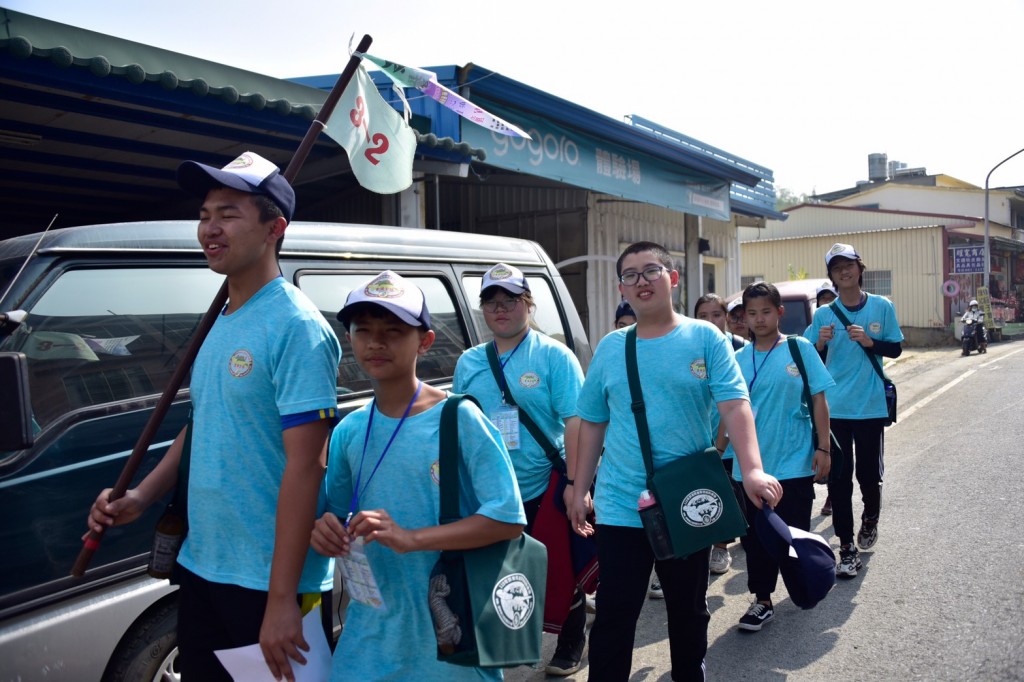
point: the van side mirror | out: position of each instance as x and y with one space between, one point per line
16 416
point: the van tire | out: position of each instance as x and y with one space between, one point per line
149 650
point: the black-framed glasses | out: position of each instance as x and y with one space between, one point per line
508 305
651 274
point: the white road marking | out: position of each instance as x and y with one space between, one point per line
992 362
921 403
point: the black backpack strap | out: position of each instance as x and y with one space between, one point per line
794 350
549 448
637 397
448 457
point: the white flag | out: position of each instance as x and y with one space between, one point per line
380 144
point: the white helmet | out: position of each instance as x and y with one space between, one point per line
973 303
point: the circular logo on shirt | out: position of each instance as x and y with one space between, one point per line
383 287
792 370
699 369
513 600
240 363
435 472
875 327
701 508
529 380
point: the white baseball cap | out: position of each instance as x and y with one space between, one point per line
825 286
509 278
392 292
249 173
735 304
840 251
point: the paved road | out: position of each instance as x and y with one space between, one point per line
941 596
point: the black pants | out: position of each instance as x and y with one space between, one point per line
863 445
626 559
213 616
795 509
573 634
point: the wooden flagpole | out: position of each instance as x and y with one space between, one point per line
163 405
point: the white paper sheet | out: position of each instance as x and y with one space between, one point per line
246 663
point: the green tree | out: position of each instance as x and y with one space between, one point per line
785 198
794 273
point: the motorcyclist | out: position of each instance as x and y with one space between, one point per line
975 315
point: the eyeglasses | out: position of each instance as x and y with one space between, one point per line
507 305
651 274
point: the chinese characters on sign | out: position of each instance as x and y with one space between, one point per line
968 259
612 165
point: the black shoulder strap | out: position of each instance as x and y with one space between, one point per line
794 350
549 448
838 311
448 456
637 397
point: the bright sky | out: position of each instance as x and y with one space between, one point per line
807 88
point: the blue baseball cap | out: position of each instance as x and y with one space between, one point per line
806 561
509 278
390 291
623 310
249 173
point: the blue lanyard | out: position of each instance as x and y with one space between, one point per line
753 361
356 494
502 379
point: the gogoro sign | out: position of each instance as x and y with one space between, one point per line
576 158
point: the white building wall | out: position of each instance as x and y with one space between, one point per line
948 200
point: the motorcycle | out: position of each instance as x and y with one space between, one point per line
973 338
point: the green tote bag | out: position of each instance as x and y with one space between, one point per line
693 490
487 603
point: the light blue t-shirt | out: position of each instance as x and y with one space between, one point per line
274 356
782 420
683 374
544 378
716 418
397 642
858 393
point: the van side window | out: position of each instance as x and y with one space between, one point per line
545 318
329 291
103 335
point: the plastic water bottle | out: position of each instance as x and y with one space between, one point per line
652 516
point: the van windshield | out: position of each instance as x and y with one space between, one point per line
102 335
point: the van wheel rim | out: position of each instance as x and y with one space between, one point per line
167 671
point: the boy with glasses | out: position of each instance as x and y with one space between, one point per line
685 367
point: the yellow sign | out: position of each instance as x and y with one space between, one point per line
986 306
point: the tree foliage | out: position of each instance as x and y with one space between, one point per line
787 198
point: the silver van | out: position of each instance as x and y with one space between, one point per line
93 323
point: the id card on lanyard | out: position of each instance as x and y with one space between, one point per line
506 417
355 567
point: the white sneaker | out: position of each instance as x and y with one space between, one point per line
721 560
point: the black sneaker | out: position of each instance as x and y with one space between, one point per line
868 535
756 616
849 562
566 660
